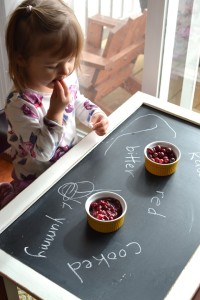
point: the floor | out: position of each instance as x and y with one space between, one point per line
5 170
175 93
24 296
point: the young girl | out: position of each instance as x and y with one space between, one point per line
44 43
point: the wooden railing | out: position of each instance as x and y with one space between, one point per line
119 9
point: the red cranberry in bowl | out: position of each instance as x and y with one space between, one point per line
161 158
106 209
161 154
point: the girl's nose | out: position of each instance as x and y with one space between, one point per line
64 70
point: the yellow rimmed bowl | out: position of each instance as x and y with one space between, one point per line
101 225
159 169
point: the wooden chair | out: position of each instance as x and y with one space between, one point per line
106 67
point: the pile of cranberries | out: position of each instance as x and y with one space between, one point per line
106 209
161 154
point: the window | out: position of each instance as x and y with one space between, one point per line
173 37
117 9
184 88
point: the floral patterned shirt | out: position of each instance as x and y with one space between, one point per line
37 142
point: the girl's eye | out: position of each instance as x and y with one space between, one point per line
51 67
70 60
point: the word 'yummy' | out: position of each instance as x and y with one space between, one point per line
89 264
195 156
131 159
156 202
49 238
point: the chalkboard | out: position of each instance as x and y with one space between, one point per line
141 260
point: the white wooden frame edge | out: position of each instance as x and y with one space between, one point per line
16 271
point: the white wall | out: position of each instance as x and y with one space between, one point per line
4 85
5 8
10 5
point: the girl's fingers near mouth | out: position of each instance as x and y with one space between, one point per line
58 89
65 87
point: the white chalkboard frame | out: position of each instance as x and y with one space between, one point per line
189 280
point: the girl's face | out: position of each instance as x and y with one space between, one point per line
42 71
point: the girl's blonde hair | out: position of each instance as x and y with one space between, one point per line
41 25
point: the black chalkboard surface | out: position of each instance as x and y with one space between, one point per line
143 259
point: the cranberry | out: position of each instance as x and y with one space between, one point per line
169 150
158 148
172 159
106 209
161 154
149 151
166 159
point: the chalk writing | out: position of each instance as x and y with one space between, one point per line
156 202
131 159
123 277
192 216
49 238
103 259
125 134
112 141
72 191
195 156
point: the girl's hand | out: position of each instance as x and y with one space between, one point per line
60 98
99 123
